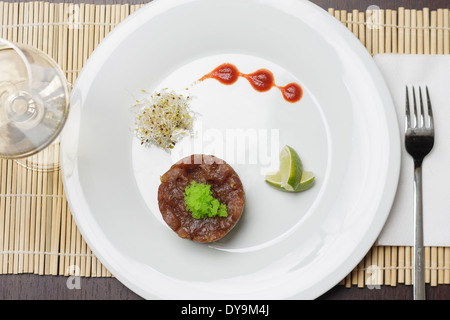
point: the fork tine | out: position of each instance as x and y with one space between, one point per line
407 111
415 109
422 112
430 112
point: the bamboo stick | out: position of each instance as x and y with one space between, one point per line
55 209
49 213
420 32
28 17
337 14
347 281
64 7
433 271
369 27
394 264
97 27
75 66
35 32
21 17
62 60
408 265
33 220
43 218
380 35
388 31
401 265
440 50
103 20
20 236
426 32
407 31
52 31
342 17
91 29
375 31
440 32
68 228
118 15
85 34
3 190
69 17
45 29
38 214
81 56
394 32
73 243
30 218
28 221
362 28
59 222
37 176
2 19
401 30
440 265
367 263
89 48
348 18
20 201
34 212
40 13
6 237
12 32
381 266
133 8
413 31
64 230
387 264
427 258
433 33
355 26
446 265
374 267
13 220
381 31
108 18
446 31
124 11
78 250
354 276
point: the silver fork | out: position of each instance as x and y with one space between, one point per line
419 140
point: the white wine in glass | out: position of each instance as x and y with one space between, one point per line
34 100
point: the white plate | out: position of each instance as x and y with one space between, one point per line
286 245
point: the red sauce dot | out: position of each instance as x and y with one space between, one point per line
225 73
292 92
261 80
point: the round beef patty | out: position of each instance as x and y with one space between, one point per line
225 187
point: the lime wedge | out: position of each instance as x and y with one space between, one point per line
306 182
290 173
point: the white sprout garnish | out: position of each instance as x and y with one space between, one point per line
162 118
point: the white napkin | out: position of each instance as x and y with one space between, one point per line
434 72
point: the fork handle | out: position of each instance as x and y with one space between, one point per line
419 256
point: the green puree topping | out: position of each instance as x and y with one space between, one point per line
201 203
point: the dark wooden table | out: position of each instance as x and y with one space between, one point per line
30 286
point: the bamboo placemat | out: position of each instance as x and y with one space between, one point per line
37 231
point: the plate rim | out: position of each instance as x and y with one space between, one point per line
156 7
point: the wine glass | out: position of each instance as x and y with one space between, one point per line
34 102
